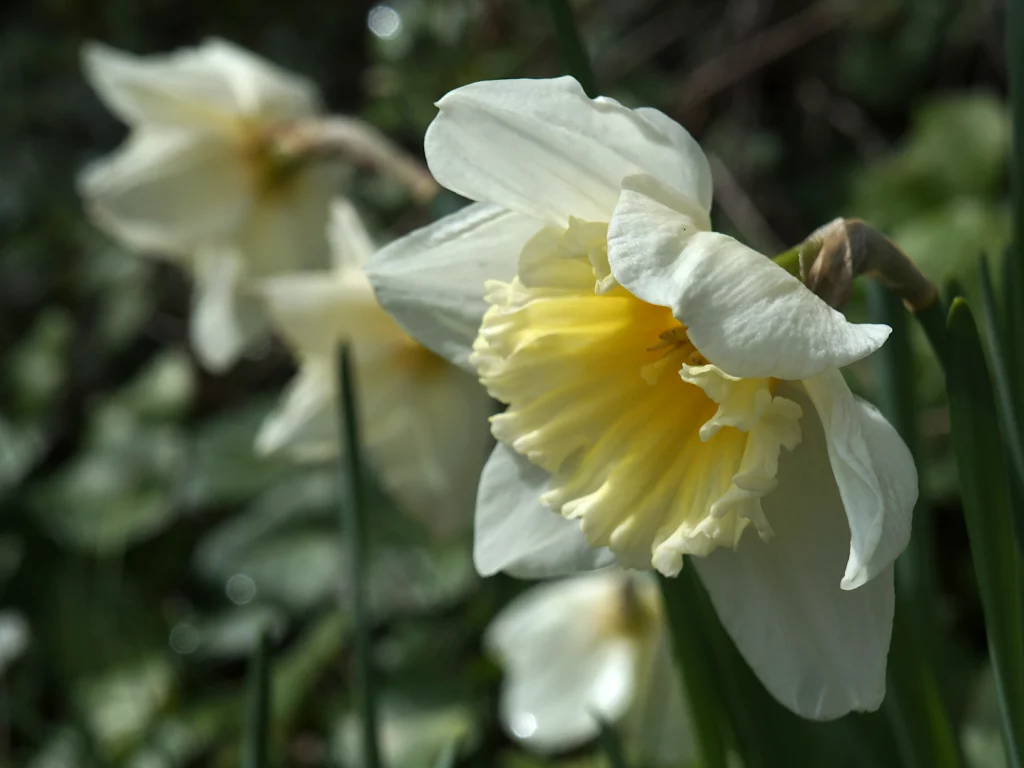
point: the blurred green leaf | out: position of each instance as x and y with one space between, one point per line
985 486
120 705
223 468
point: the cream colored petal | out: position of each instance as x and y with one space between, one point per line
351 244
876 476
224 320
820 650
425 433
304 424
561 665
432 280
260 88
657 728
167 90
544 149
745 314
169 192
516 534
205 88
286 229
316 311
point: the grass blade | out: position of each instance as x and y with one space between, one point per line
914 704
694 655
1015 68
256 739
985 487
570 46
1003 385
353 525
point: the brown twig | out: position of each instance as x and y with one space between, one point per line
750 55
741 209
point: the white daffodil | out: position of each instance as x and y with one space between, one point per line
586 649
225 170
422 418
668 388
198 178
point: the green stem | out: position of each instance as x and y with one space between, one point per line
353 502
933 321
986 492
708 712
914 704
570 46
257 725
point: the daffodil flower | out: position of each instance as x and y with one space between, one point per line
423 419
198 179
670 391
588 649
229 169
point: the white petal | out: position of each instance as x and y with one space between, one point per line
657 728
260 87
304 424
351 245
224 321
205 88
427 437
315 311
287 230
561 667
517 534
546 150
820 650
875 472
744 313
432 280
168 191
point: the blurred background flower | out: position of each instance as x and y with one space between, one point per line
587 651
424 421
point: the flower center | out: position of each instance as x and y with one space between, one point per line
272 162
657 452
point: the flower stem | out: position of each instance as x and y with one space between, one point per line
708 713
255 747
352 506
570 45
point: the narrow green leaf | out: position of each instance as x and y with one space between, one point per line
256 739
914 704
353 493
1013 325
985 488
570 46
694 655
1015 67
611 744
1004 389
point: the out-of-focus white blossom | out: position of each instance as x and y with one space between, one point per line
589 647
228 169
423 419
199 179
